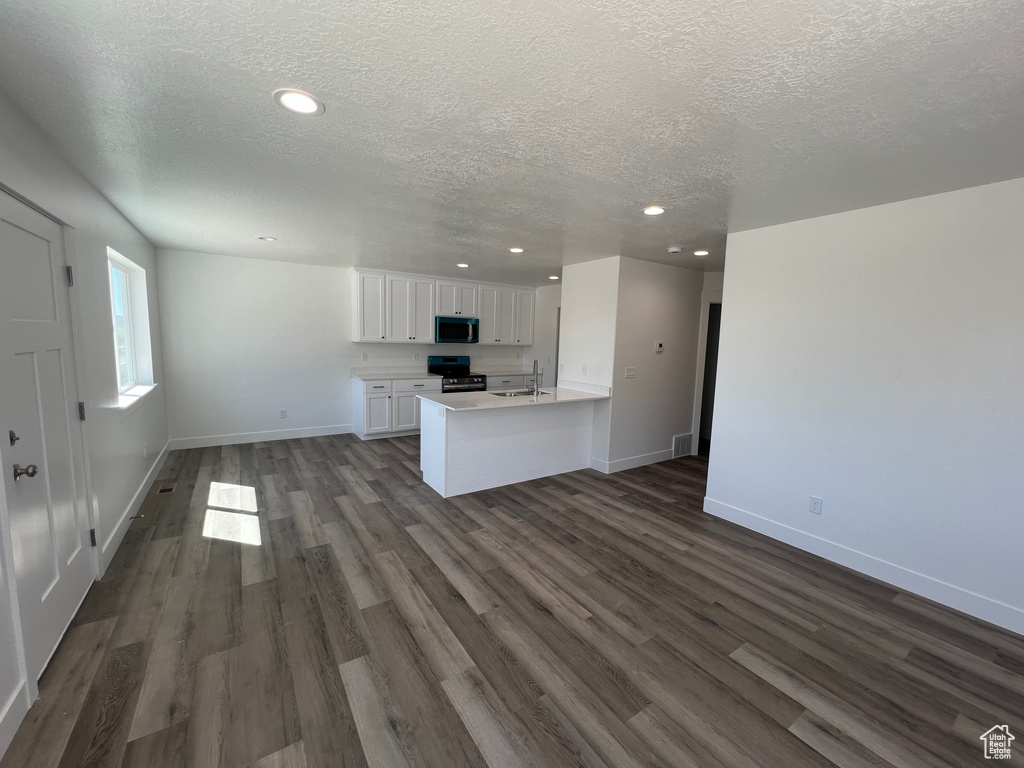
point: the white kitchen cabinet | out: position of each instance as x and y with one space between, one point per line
370 320
497 314
455 298
504 382
405 411
410 309
385 407
378 414
400 308
525 301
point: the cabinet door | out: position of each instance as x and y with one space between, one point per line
525 301
378 413
488 314
447 298
370 304
455 298
506 315
422 311
405 411
467 300
504 382
399 305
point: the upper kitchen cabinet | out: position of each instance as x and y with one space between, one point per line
525 302
370 320
410 309
497 314
401 308
455 298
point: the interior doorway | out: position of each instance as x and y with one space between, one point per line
44 518
707 403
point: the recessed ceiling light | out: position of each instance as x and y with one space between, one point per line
515 250
266 238
553 277
654 210
700 253
298 102
462 266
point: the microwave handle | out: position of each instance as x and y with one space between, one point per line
469 331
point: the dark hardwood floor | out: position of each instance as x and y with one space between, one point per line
582 619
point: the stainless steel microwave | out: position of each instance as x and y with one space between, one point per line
457 330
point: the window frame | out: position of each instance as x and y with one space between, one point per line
124 271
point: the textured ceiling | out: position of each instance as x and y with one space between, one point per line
455 130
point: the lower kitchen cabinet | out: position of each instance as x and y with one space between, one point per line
378 414
385 407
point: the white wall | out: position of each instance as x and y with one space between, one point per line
656 302
713 281
875 358
590 293
116 443
245 338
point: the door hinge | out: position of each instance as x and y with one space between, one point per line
70 276
92 536
81 411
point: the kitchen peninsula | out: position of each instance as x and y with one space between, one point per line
471 441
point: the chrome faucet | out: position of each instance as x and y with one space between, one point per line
536 379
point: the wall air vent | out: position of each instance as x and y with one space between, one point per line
681 445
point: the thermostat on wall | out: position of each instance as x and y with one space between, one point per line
659 347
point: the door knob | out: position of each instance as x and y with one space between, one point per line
30 470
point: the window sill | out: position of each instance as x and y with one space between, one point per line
133 398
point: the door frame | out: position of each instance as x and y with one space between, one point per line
31 685
707 298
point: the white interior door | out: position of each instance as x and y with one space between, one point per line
40 432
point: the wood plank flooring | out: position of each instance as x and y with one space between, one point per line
578 620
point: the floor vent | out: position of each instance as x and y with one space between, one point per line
168 488
681 445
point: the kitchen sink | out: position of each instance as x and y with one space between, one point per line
518 393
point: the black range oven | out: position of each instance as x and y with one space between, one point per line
455 373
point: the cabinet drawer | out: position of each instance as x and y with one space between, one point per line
504 382
417 385
376 387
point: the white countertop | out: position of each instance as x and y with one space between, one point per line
478 401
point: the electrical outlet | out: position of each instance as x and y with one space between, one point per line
284 413
415 356
519 355
365 356
561 368
630 372
583 370
815 507
549 361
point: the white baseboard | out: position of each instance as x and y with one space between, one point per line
609 467
12 715
113 541
982 607
180 443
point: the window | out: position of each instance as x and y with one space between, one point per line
129 307
120 297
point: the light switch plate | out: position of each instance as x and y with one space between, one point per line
659 347
630 372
